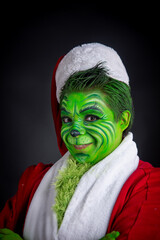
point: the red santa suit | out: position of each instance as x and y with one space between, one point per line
117 194
136 212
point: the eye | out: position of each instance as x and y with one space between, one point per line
66 119
91 118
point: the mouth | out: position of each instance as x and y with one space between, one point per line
79 147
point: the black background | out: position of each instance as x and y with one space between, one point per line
32 40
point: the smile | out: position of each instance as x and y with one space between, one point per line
79 147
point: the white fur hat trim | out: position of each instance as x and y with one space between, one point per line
87 56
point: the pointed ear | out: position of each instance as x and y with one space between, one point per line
125 120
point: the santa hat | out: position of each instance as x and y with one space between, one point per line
82 58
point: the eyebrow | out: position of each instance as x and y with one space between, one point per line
63 109
91 107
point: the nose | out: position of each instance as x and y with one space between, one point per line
74 133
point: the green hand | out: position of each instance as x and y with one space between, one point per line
111 236
7 234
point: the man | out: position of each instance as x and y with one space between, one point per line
99 186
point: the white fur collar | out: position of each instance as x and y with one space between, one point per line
90 208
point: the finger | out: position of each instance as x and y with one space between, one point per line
5 231
115 234
3 236
7 234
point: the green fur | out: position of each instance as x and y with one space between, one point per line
66 183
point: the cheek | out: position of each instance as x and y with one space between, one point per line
109 130
97 136
64 132
103 133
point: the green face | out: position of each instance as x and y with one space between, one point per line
89 130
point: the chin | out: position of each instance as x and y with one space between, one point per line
82 157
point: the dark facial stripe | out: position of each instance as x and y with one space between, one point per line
65 110
91 102
92 96
65 98
64 133
91 107
64 103
103 132
75 105
94 131
111 125
110 131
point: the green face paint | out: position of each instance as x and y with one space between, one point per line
88 127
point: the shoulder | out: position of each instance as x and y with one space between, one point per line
13 214
141 184
144 179
32 177
137 209
36 171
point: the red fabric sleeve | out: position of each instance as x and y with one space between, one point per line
15 209
136 214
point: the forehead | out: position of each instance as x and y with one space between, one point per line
81 98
